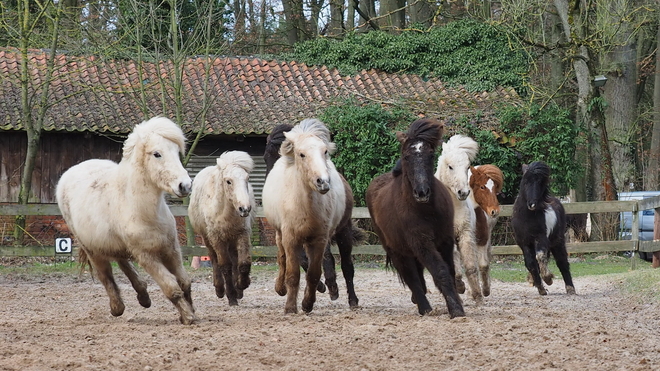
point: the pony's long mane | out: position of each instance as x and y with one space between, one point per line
495 174
276 137
427 130
155 126
238 158
313 127
463 143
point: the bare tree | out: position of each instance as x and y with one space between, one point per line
652 175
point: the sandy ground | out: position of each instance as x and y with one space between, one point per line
62 322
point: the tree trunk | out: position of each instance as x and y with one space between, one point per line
391 15
293 15
422 13
652 173
621 97
336 18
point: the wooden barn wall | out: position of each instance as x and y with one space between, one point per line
60 151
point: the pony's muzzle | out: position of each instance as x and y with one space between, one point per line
463 194
184 188
244 211
422 194
531 206
322 185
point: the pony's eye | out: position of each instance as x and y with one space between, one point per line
157 155
483 187
451 168
229 182
326 152
302 155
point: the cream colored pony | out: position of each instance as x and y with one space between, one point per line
220 211
452 171
304 200
117 212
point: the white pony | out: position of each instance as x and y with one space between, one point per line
453 164
220 211
118 212
304 200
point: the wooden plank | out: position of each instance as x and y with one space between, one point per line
649 203
30 209
649 246
575 248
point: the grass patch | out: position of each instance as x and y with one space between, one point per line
512 268
642 285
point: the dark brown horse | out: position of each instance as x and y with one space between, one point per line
539 224
413 216
345 236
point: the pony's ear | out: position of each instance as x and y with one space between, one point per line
222 163
286 149
401 136
332 148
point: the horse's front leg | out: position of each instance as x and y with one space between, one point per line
280 286
315 250
542 256
244 249
218 280
139 284
533 267
226 252
292 248
484 254
329 272
467 249
458 271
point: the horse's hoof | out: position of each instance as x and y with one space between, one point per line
307 307
188 320
320 287
353 303
542 291
334 293
243 284
424 311
220 292
485 291
548 279
570 290
288 310
460 286
117 310
233 302
281 291
453 313
239 294
144 300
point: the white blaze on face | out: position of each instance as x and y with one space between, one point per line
550 220
418 146
490 184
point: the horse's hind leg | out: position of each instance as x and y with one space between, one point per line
104 273
166 268
137 282
561 258
280 284
345 246
225 251
441 271
484 254
422 281
304 264
458 271
329 272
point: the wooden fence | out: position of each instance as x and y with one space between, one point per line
634 244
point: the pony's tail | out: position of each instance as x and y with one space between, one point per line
83 262
359 235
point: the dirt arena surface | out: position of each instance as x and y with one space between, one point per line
63 322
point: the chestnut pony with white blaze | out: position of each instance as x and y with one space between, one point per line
220 211
453 165
304 200
486 181
117 212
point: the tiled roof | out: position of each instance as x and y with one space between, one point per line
247 95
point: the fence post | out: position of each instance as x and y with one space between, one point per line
634 229
656 236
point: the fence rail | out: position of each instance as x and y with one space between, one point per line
633 244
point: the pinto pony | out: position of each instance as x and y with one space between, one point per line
453 166
220 211
346 235
413 216
304 199
117 211
486 181
539 224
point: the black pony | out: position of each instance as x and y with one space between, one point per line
539 225
346 235
413 215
